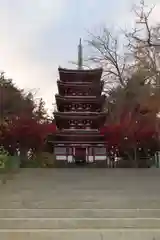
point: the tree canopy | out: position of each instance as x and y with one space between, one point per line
24 122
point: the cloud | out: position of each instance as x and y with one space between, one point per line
23 25
155 17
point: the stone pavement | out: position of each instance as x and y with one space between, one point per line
81 204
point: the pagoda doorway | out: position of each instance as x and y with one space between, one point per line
80 155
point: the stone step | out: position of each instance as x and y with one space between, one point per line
98 234
102 204
79 223
79 213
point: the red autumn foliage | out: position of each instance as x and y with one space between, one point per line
132 131
25 132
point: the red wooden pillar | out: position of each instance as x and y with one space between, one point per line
87 154
67 152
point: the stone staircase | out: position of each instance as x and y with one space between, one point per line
49 205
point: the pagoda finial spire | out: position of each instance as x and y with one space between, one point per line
80 54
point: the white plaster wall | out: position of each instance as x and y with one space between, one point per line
70 158
90 158
100 158
61 157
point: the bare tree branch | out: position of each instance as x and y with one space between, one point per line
143 20
107 54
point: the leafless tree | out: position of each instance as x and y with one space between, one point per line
144 43
134 65
149 37
108 53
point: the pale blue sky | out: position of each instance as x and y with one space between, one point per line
39 35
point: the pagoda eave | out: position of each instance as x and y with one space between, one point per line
61 134
80 75
85 71
79 143
79 84
74 138
80 114
80 98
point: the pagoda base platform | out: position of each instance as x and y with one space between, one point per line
80 153
96 164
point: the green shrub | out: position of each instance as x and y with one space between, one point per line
46 160
32 163
3 158
8 165
41 160
13 163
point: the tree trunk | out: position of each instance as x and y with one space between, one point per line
135 157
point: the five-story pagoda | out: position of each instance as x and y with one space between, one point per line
79 115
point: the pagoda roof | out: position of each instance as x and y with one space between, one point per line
80 75
78 132
79 114
80 98
77 137
85 71
80 143
72 84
